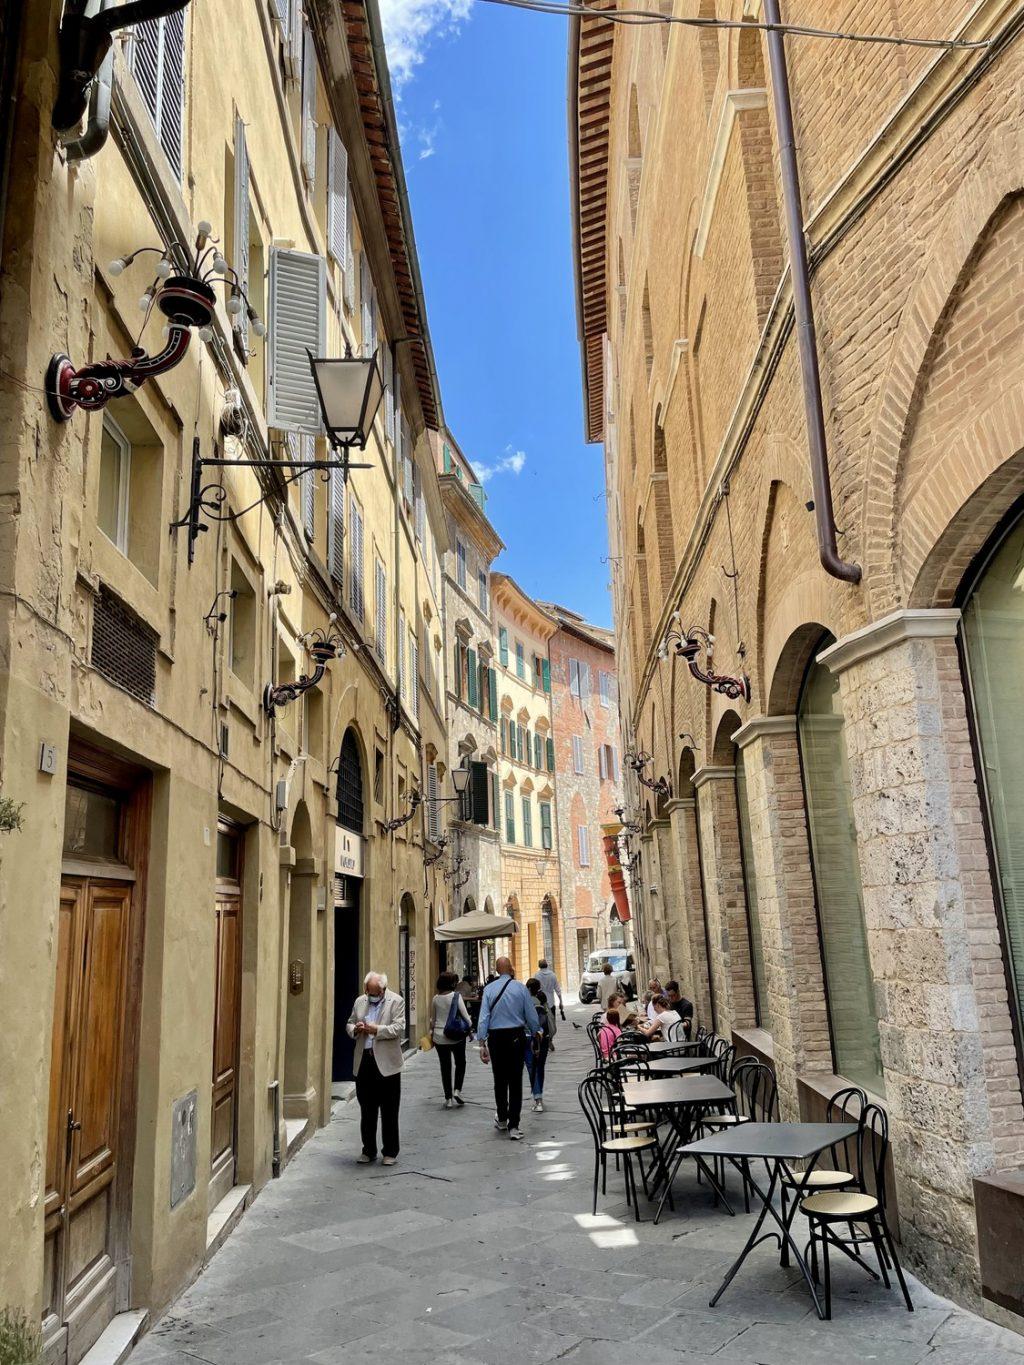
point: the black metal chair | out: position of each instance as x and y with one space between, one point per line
599 1103
828 1210
837 1164
757 1101
594 1034
724 1052
677 1032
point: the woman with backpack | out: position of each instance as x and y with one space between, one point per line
450 1027
538 1047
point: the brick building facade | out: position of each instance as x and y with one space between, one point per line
588 757
847 887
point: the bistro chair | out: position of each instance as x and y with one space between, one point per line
757 1101
723 1052
828 1210
704 1037
845 1106
594 1034
676 1032
599 1102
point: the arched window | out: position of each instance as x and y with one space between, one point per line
663 506
648 333
755 139
350 784
993 626
849 985
634 152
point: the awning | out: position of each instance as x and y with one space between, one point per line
476 924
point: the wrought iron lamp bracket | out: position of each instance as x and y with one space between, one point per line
689 643
638 761
415 800
323 646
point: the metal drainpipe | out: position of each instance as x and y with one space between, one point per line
803 308
275 1091
97 128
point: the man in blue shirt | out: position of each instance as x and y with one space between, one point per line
507 1016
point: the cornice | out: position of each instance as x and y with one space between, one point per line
705 775
937 623
761 727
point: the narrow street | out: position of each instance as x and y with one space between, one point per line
477 1249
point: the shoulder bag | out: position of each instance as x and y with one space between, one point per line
455 1027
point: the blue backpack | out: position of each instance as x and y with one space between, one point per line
455 1027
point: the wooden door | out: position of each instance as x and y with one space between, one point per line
227 964
82 1147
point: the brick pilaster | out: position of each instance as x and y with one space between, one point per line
687 936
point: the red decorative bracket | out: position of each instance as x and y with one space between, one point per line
688 644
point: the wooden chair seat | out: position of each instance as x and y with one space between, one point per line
841 1205
724 1120
628 1144
817 1180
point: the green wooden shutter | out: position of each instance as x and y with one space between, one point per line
478 787
458 670
510 818
527 747
551 755
471 676
527 822
504 735
538 751
546 670
495 801
503 646
492 692
545 824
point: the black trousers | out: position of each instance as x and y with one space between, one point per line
506 1048
379 1097
446 1054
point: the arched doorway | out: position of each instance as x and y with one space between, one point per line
347 908
849 984
299 1088
407 962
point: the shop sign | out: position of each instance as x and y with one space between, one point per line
348 852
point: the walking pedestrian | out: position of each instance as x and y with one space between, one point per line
450 1026
537 1048
377 1023
607 986
507 1014
550 986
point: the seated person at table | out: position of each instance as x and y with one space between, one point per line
653 989
682 1006
664 1017
610 1031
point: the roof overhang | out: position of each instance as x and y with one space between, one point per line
469 516
589 101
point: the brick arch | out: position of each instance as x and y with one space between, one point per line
791 665
975 204
723 751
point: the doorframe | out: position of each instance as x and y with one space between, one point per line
134 786
236 887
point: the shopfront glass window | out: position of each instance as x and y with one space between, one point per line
750 885
848 980
993 628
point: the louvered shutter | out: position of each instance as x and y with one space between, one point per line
503 646
414 670
337 197
545 824
538 751
421 507
492 693
407 462
458 670
283 10
433 809
365 321
335 524
495 801
471 677
551 755
309 488
350 256
510 818
308 107
381 605
298 322
527 822
504 734
479 788
390 380
401 655
241 242
355 559
584 682
527 747
546 672
602 763
159 66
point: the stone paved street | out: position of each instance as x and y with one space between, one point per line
475 1249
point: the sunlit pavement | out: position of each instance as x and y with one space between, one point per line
474 1248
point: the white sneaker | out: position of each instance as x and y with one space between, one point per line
515 1135
500 1124
449 1104
365 1160
388 1160
538 1105
459 1100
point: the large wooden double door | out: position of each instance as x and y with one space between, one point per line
85 1213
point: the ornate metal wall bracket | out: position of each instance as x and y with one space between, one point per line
415 799
442 842
638 761
631 826
188 302
688 643
323 646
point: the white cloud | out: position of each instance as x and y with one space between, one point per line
510 463
411 25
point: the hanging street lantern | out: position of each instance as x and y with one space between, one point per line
350 389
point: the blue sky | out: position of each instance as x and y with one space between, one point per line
481 101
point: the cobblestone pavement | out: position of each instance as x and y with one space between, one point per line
477 1249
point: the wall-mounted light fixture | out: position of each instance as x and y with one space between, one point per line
213 617
632 825
638 761
323 645
415 799
688 642
350 389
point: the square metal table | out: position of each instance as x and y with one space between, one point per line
683 1045
679 1099
680 1066
775 1144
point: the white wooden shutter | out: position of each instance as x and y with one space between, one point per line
584 681
308 107
356 595
298 321
417 492
309 488
283 12
381 618
350 260
337 198
364 304
401 654
433 809
241 244
336 527
388 372
414 670
159 66
602 763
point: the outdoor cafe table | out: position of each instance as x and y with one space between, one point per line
680 1066
776 1144
684 1044
678 1099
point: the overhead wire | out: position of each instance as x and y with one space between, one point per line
641 16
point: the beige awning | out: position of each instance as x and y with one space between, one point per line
476 924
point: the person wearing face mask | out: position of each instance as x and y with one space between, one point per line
377 1023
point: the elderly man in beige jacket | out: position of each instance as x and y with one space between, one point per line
377 1023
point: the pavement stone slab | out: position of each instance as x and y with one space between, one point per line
476 1249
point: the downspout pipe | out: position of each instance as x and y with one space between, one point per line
803 308
97 127
84 43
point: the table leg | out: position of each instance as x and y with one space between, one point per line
768 1210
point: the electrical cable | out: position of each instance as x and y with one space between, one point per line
639 16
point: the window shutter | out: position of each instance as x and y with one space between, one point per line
298 321
337 198
495 802
414 669
356 595
574 678
546 671
421 506
283 10
335 523
551 755
309 489
159 65
510 818
308 107
503 646
390 381
407 461
602 762
366 305
458 669
479 789
504 734
584 682
350 256
538 751
401 654
381 620
433 809
492 693
545 824
471 677
527 746
527 822
241 243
